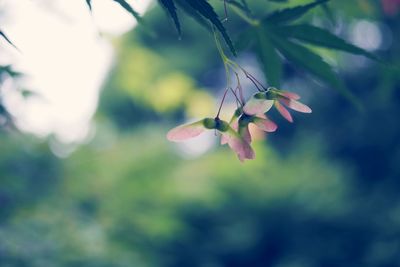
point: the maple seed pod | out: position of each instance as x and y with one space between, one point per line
222 126
260 95
238 112
245 119
271 95
209 123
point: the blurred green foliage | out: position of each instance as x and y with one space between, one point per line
133 201
321 192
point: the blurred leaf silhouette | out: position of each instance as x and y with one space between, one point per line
4 36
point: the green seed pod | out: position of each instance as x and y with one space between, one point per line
209 123
271 95
245 119
260 95
221 126
238 112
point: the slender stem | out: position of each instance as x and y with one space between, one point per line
219 47
239 87
248 76
253 79
238 103
242 15
255 84
228 63
226 11
232 63
242 11
222 102
224 58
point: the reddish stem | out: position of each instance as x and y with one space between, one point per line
253 80
239 87
238 102
222 102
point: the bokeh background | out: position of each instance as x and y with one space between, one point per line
87 177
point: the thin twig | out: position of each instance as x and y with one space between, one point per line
222 102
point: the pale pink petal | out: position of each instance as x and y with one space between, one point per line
296 105
290 95
257 106
245 134
240 146
263 116
184 132
283 111
265 124
225 137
